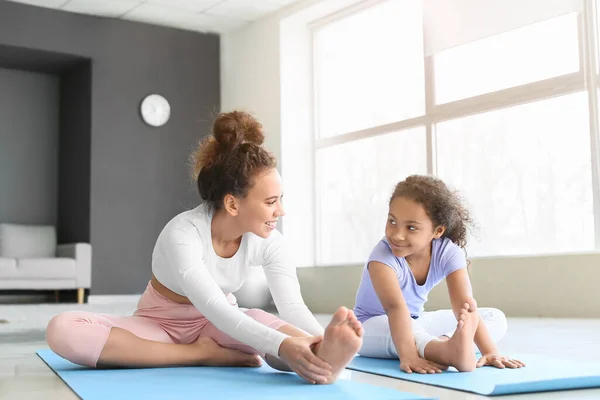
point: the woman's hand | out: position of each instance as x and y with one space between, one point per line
498 361
298 354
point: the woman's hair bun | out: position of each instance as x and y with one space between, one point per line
234 128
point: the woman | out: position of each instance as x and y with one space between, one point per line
187 315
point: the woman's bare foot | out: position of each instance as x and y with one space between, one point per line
211 354
342 339
460 346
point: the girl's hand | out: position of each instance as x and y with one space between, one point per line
420 366
498 361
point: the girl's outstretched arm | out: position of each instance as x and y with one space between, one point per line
390 295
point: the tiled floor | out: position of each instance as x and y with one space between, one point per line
24 376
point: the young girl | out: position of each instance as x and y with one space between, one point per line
187 315
424 239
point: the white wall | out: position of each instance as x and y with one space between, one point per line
251 80
251 60
265 70
250 75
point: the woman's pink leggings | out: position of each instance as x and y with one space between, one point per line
80 336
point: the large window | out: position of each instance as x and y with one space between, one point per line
366 72
524 55
508 119
354 183
526 172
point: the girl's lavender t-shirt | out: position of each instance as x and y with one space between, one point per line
446 257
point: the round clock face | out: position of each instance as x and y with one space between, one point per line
155 110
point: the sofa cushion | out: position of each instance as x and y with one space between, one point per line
46 268
8 267
27 241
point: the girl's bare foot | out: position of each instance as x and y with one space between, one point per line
460 345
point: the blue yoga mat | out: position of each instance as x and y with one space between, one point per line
206 383
541 374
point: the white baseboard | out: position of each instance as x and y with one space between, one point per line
113 298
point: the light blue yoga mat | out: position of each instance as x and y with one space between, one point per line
541 374
206 383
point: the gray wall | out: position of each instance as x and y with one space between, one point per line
138 174
74 149
28 147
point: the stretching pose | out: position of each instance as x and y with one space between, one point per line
188 315
424 239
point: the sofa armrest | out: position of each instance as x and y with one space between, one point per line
82 253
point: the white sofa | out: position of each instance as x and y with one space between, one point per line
31 259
